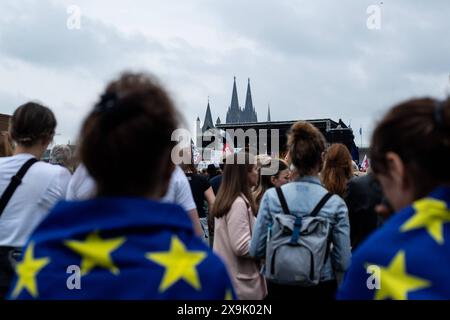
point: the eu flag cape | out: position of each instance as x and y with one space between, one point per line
122 248
408 258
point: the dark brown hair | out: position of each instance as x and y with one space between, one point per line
32 123
337 169
418 131
6 149
306 145
234 183
127 137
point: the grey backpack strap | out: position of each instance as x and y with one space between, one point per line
298 220
314 213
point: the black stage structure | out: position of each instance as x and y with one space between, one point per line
334 132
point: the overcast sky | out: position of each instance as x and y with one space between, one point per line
307 59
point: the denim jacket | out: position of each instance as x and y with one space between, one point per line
302 196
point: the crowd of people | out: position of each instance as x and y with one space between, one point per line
140 227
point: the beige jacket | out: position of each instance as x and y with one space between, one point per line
232 236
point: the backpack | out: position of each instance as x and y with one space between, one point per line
297 247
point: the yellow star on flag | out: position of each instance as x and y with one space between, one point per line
27 271
228 295
179 264
96 252
395 283
431 214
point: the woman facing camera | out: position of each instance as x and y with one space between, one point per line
234 212
276 177
409 257
124 243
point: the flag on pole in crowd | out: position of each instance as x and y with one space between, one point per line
360 136
196 156
365 163
228 149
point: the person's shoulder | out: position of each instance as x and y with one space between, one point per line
200 178
272 192
81 172
51 168
239 201
287 189
215 179
66 207
361 181
337 200
15 160
179 178
178 173
42 171
319 191
370 246
239 204
335 205
4 160
63 216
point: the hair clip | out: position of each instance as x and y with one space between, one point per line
107 102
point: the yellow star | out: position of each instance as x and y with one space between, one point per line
27 271
96 252
179 264
431 214
228 295
395 283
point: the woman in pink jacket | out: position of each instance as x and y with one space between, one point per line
234 213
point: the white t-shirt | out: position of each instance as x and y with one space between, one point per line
179 191
82 187
42 186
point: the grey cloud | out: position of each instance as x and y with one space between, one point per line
36 33
306 58
318 42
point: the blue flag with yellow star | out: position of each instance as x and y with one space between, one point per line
119 249
408 258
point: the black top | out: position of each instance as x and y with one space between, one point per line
199 185
363 195
215 183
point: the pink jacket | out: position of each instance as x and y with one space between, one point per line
232 236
